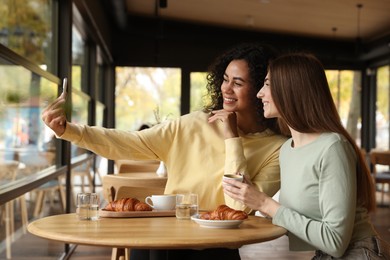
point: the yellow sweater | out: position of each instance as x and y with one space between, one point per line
195 153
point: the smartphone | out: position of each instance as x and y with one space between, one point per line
65 87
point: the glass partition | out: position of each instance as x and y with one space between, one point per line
80 104
80 101
24 138
78 59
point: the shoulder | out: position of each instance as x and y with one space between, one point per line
185 122
336 146
277 139
196 115
333 140
191 119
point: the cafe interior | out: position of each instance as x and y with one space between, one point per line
117 54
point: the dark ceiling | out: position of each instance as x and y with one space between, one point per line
343 19
191 33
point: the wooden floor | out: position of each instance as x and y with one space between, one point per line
27 246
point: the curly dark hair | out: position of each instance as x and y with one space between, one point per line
257 57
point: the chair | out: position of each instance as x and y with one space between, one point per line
36 162
84 172
380 177
142 188
8 171
138 192
112 182
50 187
137 166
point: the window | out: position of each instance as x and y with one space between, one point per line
26 28
23 136
146 96
198 91
382 108
80 101
78 59
345 86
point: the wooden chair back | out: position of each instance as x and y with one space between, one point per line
113 189
138 192
112 183
127 166
8 170
379 158
381 177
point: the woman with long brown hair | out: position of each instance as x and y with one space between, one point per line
326 188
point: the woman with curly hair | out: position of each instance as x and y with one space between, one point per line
229 136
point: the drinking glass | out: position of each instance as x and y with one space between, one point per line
186 205
88 206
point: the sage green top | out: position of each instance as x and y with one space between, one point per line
195 153
318 196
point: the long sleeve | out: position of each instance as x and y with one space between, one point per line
193 151
264 171
318 195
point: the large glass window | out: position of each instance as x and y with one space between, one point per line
80 104
345 86
26 28
146 96
78 58
23 136
198 91
80 101
382 108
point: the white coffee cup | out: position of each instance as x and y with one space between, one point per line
236 177
162 202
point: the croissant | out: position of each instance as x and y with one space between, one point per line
224 212
128 204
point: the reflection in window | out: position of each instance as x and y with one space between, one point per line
382 108
198 91
26 28
80 103
78 59
23 136
99 114
99 76
146 96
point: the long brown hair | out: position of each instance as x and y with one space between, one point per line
301 94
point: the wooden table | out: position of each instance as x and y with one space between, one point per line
152 232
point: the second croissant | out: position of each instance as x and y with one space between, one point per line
224 212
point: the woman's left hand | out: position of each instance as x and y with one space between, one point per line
228 119
248 194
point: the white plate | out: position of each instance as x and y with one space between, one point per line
217 223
